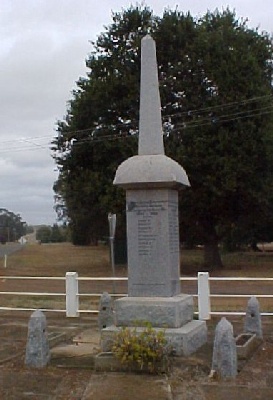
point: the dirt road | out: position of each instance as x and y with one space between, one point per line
9 248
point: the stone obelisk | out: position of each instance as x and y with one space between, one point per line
151 180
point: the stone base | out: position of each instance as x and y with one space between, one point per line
183 341
164 312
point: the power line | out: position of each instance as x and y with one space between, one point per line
206 121
221 106
202 121
227 117
29 146
26 138
184 113
226 120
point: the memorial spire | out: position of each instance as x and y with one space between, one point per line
150 124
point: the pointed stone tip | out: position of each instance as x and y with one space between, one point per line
224 323
105 295
37 313
253 303
147 37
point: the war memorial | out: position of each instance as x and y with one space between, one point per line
152 180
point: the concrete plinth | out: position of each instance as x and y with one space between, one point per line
173 316
166 312
183 341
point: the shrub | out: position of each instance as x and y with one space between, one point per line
147 349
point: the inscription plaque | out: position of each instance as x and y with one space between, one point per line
147 213
152 220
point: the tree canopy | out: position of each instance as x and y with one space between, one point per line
11 226
51 234
215 77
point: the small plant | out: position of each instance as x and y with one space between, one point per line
145 350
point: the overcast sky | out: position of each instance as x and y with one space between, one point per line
43 47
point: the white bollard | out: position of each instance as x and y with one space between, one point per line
72 298
204 308
5 261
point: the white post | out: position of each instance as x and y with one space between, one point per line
204 308
5 261
72 298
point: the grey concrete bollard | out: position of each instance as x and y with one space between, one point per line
37 348
253 322
224 360
106 312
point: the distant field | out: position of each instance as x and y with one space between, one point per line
244 263
57 259
52 260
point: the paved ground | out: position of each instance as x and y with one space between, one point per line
187 381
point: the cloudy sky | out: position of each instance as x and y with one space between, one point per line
43 47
